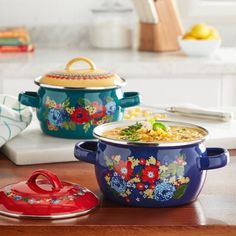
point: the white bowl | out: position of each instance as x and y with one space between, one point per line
199 48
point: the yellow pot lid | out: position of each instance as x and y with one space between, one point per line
91 78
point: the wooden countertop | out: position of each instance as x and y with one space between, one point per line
214 213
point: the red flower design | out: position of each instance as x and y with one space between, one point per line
158 163
127 200
142 161
150 174
152 186
100 110
124 169
95 122
140 186
80 115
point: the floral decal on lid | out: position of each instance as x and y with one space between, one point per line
85 112
52 200
138 179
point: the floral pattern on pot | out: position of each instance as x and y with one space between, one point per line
140 178
54 200
85 112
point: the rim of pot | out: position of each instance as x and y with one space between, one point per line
36 81
97 133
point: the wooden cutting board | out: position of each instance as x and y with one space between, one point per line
34 147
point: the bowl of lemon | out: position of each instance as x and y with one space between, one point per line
202 41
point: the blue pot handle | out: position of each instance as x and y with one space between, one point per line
29 99
216 158
130 99
86 151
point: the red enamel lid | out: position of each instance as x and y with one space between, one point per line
46 198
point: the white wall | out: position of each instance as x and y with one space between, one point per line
45 12
76 13
48 12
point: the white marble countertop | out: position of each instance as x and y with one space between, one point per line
128 63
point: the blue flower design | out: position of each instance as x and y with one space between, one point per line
110 108
55 201
164 192
118 184
17 197
57 116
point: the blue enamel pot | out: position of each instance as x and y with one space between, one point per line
71 103
150 174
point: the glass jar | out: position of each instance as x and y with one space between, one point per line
111 26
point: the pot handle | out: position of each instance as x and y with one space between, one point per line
86 151
130 99
52 178
216 158
78 59
29 99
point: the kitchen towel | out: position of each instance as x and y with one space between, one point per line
14 117
15 39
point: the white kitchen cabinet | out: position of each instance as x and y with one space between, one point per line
211 92
201 91
16 85
228 88
168 78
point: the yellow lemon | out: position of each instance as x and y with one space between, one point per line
214 35
200 31
188 37
187 34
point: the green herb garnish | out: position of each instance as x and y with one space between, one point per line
159 125
152 121
130 133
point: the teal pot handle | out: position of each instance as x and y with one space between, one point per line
216 158
29 99
86 151
130 99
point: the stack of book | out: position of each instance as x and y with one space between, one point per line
15 39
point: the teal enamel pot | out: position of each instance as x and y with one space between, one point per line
72 102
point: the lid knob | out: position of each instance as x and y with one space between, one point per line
83 59
52 178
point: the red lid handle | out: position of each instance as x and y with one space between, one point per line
52 178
